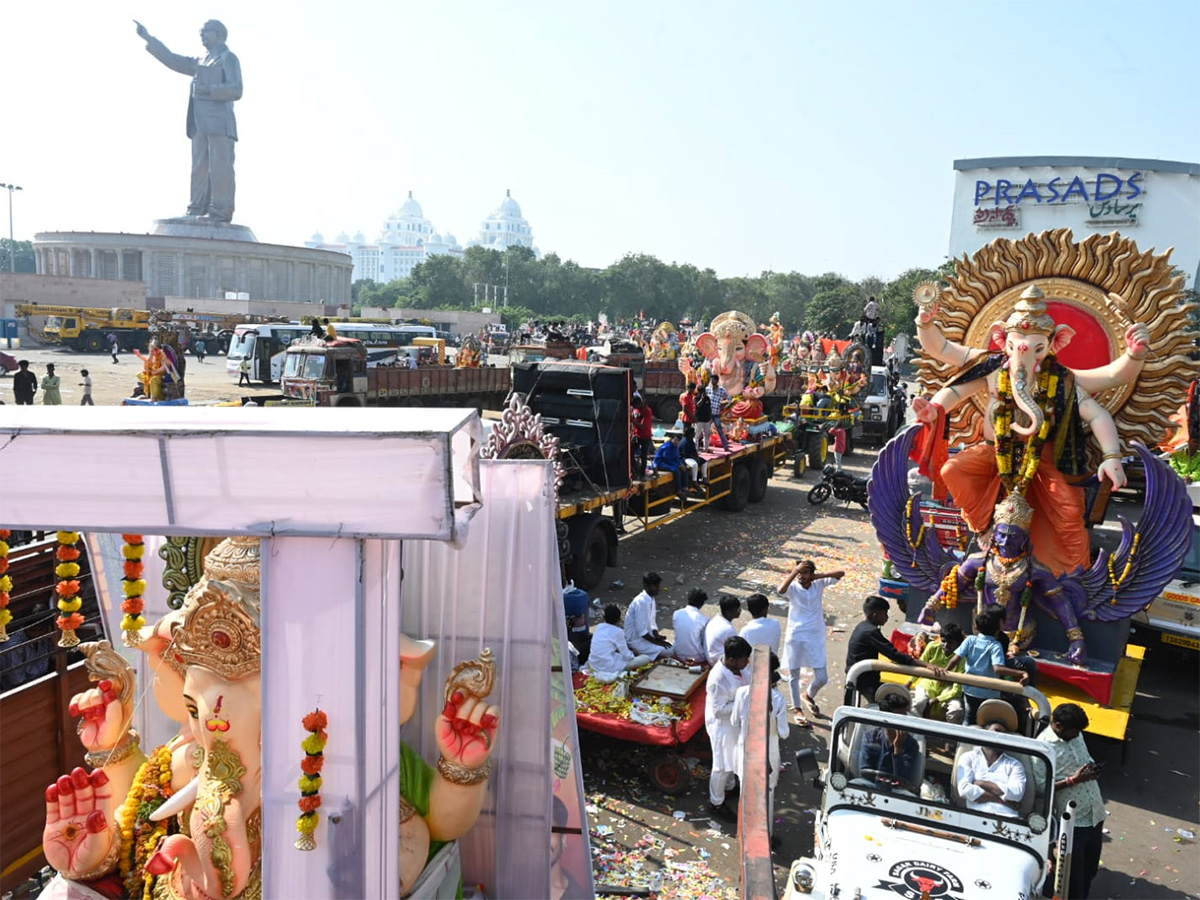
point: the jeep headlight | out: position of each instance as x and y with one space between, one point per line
1037 824
804 877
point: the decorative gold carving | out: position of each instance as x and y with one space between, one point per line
456 773
184 565
225 767
220 632
98 759
926 295
106 664
1014 510
234 559
224 771
475 677
1107 276
520 434
733 324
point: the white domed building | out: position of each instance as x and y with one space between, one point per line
407 239
505 227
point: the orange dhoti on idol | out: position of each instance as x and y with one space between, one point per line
1058 529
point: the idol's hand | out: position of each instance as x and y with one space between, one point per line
78 834
924 410
466 730
1137 340
104 719
1114 472
141 30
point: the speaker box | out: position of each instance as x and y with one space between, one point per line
587 407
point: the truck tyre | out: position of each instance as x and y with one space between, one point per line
669 773
589 538
92 342
799 464
667 411
739 489
817 448
758 480
348 401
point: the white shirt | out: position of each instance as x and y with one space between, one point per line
806 625
1006 773
641 618
718 707
689 625
764 632
778 728
87 385
609 652
718 630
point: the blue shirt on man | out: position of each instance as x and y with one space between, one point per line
982 653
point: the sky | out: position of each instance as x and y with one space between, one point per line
749 137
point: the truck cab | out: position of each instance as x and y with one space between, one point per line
883 410
914 834
330 373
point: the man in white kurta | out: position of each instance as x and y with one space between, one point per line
689 624
641 621
610 654
720 628
804 640
991 781
777 729
723 682
762 630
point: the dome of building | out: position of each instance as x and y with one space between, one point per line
509 207
317 238
411 207
358 238
343 238
435 238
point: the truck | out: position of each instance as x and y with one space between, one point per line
87 328
914 835
1175 613
884 405
338 373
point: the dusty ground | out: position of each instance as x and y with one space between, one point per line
207 382
1149 794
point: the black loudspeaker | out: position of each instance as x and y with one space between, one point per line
587 407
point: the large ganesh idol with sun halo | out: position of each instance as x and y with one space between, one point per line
1045 362
741 357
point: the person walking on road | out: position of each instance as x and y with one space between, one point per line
200 348
25 384
51 383
114 347
804 641
723 681
244 370
86 399
1078 774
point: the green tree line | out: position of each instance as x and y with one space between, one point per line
639 284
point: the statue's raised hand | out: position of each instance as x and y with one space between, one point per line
141 30
1137 340
104 717
466 730
79 830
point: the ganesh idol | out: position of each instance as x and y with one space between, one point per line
1036 412
736 352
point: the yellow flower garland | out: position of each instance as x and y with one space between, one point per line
950 589
139 836
1112 570
1047 390
5 585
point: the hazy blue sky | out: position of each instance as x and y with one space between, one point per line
743 137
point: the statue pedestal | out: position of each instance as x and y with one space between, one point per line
201 227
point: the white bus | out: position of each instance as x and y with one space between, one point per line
264 345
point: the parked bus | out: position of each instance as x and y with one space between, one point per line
264 345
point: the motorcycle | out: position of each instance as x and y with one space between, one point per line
841 486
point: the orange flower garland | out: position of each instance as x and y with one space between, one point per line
67 571
310 781
5 585
134 587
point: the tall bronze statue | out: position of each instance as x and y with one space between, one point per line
216 83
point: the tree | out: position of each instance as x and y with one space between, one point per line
834 310
438 281
897 309
25 259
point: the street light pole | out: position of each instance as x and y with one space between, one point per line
12 244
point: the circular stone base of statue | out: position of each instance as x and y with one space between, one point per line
202 227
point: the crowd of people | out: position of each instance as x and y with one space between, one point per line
986 779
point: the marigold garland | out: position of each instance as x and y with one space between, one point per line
310 781
1112 569
5 585
67 589
917 542
140 836
134 587
950 589
1006 456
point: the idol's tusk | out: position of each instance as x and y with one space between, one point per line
181 800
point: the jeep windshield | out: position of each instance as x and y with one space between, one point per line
878 385
304 365
877 756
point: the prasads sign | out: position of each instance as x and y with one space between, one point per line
1104 186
